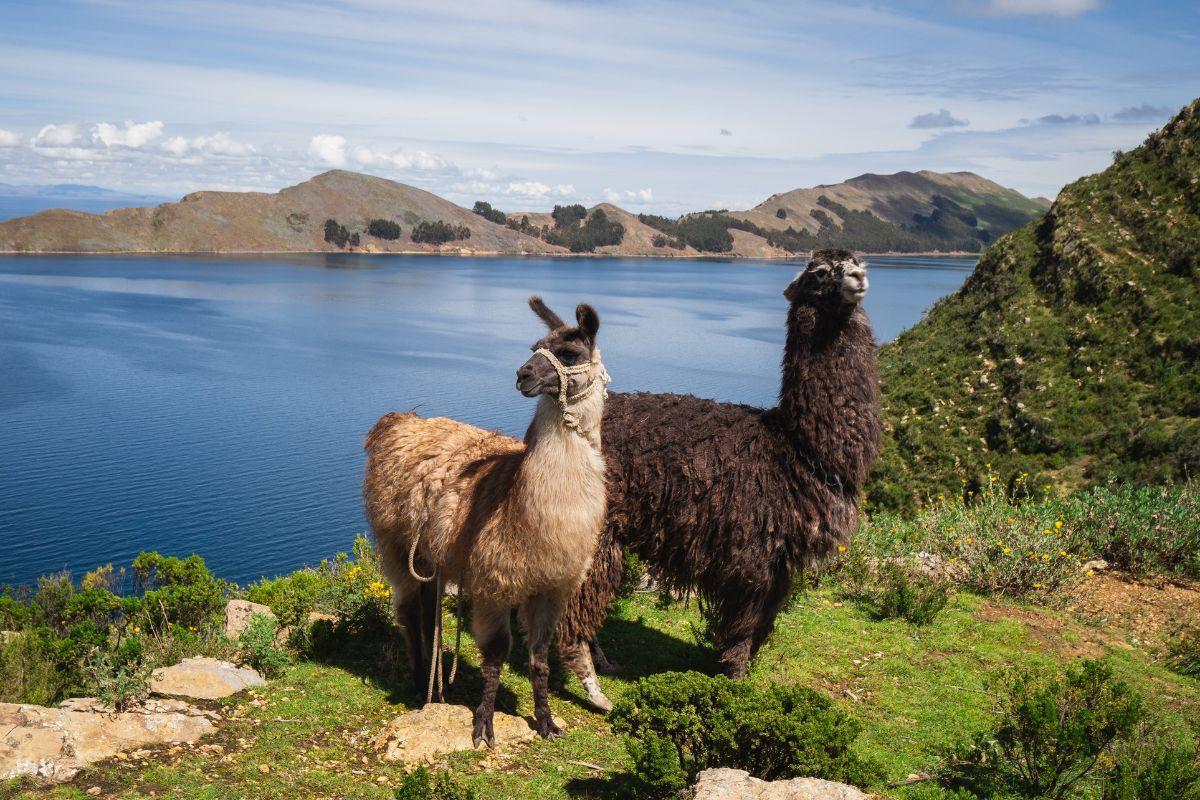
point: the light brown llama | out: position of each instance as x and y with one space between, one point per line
512 524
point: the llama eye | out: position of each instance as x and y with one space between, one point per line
568 357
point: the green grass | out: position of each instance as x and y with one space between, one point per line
916 689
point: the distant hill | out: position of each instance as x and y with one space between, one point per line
291 220
1073 350
906 212
21 200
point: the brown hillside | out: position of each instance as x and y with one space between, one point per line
290 221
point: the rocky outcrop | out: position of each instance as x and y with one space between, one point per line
53 744
736 784
238 614
439 728
203 679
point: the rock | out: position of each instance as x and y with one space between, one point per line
8 636
203 679
736 784
317 616
53 744
94 791
238 613
422 735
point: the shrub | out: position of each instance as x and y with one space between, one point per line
900 592
678 724
29 669
485 210
568 216
337 234
119 676
292 597
178 592
781 213
633 572
259 647
419 785
383 229
1157 763
439 232
1050 731
1183 652
598 231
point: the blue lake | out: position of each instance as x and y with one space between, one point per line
218 405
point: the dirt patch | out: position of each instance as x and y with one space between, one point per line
1054 633
1141 612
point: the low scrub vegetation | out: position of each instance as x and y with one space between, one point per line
339 235
678 724
439 232
596 230
384 229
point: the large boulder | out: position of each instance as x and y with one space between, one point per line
203 679
53 744
238 614
423 735
736 784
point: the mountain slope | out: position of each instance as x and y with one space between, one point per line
1071 352
291 220
909 212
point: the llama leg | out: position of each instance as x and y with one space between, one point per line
734 633
603 663
579 659
408 618
489 626
775 599
539 616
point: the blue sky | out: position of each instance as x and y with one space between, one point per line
659 106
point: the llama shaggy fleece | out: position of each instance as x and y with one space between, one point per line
731 501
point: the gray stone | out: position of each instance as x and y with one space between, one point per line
736 784
238 613
53 744
203 679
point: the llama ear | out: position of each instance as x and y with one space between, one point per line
589 321
552 320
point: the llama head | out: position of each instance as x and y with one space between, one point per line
833 279
572 345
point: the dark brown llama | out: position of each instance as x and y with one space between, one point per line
730 501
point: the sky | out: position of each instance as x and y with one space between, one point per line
658 106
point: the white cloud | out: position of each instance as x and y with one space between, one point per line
329 149
533 190
418 160
1064 119
726 132
1054 8
134 134
217 144
638 196
1143 113
941 118
9 138
63 135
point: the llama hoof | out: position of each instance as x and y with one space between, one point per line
483 732
547 729
595 696
609 667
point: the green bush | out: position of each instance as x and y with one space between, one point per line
29 669
292 597
337 234
781 732
420 785
1183 652
120 676
440 232
900 592
633 572
258 646
178 592
383 229
485 210
1050 732
1157 763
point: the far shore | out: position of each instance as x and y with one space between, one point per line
472 254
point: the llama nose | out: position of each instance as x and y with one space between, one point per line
524 372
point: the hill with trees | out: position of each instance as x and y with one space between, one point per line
906 212
1072 353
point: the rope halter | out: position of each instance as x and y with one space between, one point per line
595 368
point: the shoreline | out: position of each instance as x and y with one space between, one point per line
478 254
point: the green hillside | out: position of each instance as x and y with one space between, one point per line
1071 352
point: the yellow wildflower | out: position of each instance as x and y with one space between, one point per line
841 548
1058 524
1007 550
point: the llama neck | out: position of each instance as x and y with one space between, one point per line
562 481
829 394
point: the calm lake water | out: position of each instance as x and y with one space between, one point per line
218 405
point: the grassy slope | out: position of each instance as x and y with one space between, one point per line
917 689
1072 351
